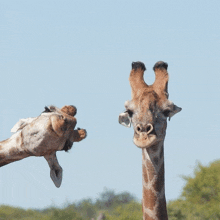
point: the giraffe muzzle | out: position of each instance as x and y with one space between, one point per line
144 136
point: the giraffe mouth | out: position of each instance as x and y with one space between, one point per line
144 140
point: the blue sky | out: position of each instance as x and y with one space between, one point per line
80 53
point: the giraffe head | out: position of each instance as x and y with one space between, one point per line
149 108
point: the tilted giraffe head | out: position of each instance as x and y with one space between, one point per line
149 107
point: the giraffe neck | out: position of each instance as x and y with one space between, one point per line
154 201
11 149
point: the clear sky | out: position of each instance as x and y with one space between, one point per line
80 53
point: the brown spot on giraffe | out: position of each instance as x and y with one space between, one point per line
149 199
154 148
159 183
156 161
161 153
162 208
145 174
19 139
148 111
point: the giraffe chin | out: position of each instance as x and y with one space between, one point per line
143 142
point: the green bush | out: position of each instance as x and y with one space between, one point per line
200 199
115 206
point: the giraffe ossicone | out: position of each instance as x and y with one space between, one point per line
44 135
148 111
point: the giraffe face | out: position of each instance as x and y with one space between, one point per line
148 115
149 109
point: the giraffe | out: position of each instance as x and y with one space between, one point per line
101 216
52 131
148 111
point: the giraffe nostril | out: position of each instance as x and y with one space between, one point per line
149 128
146 129
138 128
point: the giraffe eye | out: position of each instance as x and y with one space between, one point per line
166 112
130 113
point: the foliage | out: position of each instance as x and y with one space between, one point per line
8 213
200 198
130 211
119 206
87 209
109 199
67 214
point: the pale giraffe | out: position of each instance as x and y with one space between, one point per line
52 131
101 216
148 112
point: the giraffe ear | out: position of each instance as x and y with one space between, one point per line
56 174
56 171
124 119
175 110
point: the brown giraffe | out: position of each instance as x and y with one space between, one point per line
148 112
52 131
